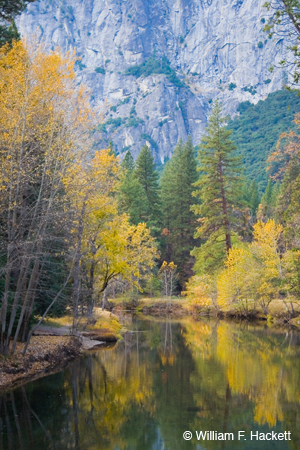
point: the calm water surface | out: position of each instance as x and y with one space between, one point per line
164 378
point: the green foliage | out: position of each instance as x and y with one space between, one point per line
113 108
267 81
258 127
162 122
148 138
250 89
132 199
8 33
284 22
9 9
219 185
232 86
100 70
80 64
147 176
124 101
155 66
260 44
133 122
179 222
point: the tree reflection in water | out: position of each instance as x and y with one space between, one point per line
164 378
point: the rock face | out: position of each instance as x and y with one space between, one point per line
216 47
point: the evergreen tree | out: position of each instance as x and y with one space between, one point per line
147 176
267 207
127 164
177 186
254 197
9 9
132 198
220 183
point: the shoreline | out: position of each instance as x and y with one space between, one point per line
52 349
49 352
176 308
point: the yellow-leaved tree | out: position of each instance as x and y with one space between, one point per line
107 247
44 119
253 274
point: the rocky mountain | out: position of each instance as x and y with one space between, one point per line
155 66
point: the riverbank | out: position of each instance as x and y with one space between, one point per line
179 308
45 355
52 347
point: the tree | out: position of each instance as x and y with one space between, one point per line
168 277
9 9
147 176
254 197
285 23
179 222
44 118
106 246
132 197
253 272
219 182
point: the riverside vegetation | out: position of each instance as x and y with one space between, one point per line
78 227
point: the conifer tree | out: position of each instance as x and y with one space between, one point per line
9 9
254 197
132 198
267 206
147 176
177 186
220 182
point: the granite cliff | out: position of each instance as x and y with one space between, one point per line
192 50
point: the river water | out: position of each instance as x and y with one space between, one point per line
163 379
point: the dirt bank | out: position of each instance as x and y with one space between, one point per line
45 355
53 347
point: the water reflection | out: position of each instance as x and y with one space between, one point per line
164 378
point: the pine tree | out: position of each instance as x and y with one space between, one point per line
147 176
220 183
267 207
177 186
9 9
132 198
254 197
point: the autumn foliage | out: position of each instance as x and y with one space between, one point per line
62 239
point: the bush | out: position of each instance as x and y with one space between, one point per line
148 138
232 86
260 44
155 66
124 101
100 70
132 122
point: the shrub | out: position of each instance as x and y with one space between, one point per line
155 66
100 70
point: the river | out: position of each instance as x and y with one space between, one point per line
236 380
